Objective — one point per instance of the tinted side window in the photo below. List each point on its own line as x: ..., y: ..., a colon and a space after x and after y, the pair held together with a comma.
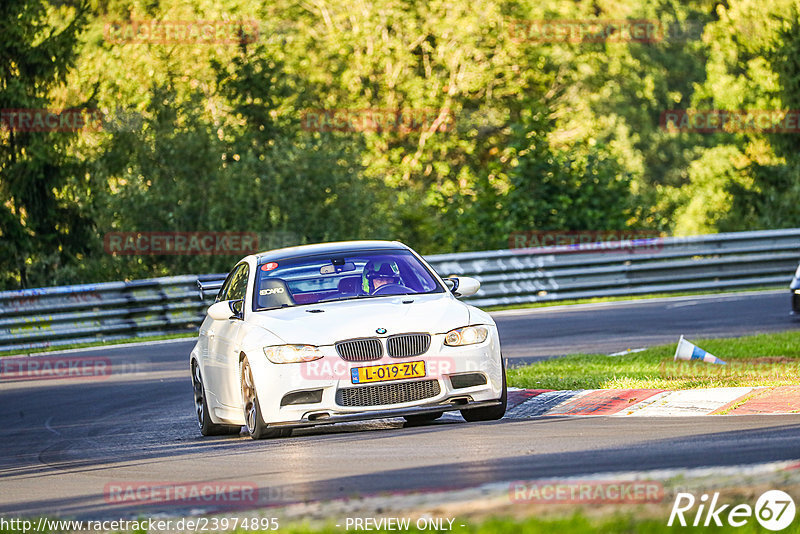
x: 226, y: 286
x: 236, y: 284
x: 239, y: 283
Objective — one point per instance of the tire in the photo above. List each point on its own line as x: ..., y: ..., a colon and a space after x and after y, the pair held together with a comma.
x: 254, y: 423
x: 207, y: 427
x: 492, y: 413
x: 422, y: 418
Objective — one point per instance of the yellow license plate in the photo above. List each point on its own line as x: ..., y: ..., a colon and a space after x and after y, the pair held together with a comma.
x: 382, y: 373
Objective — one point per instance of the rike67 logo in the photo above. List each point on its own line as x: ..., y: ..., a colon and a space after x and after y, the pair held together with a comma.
x: 774, y: 510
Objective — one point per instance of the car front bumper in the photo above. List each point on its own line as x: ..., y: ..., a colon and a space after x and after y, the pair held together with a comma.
x: 332, y: 374
x: 312, y: 420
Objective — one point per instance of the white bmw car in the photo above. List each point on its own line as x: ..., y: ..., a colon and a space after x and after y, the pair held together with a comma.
x: 335, y: 332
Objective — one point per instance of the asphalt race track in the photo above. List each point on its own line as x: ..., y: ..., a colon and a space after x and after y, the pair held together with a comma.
x: 65, y: 441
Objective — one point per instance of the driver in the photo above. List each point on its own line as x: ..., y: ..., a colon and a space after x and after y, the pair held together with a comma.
x: 378, y: 274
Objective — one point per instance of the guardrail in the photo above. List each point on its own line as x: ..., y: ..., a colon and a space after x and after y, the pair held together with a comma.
x: 53, y: 316
x: 37, y: 318
x: 661, y: 265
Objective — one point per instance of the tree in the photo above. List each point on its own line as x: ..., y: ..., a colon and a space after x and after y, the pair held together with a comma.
x: 750, y: 176
x: 43, y: 223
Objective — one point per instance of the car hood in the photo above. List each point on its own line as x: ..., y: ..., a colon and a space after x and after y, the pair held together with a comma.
x: 361, y: 318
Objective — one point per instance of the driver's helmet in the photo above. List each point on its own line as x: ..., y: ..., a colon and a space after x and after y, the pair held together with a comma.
x: 379, y: 269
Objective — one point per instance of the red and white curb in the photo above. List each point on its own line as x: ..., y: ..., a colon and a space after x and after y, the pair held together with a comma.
x: 654, y: 402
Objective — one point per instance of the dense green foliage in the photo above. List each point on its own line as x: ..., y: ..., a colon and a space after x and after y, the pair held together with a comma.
x: 41, y: 221
x: 513, y: 133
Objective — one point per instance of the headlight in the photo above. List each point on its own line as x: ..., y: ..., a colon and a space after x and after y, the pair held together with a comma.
x: 292, y: 353
x: 469, y: 335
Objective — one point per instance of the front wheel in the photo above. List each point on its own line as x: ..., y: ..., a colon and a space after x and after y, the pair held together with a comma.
x: 492, y: 413
x: 255, y: 424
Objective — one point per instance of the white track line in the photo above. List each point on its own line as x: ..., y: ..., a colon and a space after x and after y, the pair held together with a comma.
x: 50, y: 428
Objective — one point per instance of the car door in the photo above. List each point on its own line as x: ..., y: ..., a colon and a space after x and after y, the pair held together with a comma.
x: 206, y: 333
x: 223, y: 361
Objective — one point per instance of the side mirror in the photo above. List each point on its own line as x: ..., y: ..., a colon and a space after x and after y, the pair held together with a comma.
x: 226, y: 309
x: 463, y: 286
x: 451, y: 283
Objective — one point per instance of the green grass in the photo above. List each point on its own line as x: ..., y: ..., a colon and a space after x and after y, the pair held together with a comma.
x: 545, y: 304
x: 99, y: 343
x: 759, y: 360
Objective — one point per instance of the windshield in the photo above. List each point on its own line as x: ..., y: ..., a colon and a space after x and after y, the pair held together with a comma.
x: 364, y: 274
